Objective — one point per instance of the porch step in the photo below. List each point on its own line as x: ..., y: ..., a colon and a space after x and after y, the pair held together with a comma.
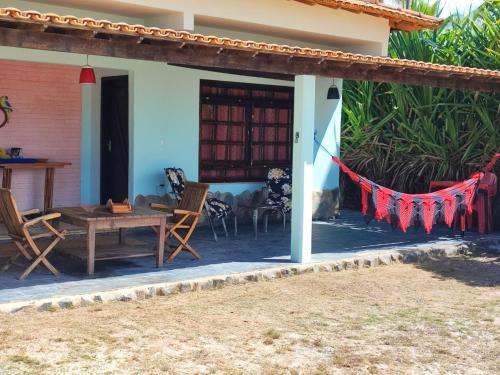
x: 374, y: 259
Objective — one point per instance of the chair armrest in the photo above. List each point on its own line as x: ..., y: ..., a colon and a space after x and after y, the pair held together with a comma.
x: 30, y: 212
x: 159, y: 206
x: 185, y: 212
x: 48, y: 217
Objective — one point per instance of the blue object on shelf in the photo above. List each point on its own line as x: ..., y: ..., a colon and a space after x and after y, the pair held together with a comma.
x: 18, y: 161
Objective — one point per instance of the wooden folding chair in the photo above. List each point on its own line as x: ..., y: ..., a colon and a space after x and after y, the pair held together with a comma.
x: 182, y: 222
x: 18, y: 228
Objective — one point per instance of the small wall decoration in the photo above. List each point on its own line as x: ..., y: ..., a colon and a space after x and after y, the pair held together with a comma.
x: 5, y: 110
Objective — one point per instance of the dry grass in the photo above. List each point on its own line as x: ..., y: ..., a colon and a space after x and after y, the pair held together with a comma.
x: 438, y: 317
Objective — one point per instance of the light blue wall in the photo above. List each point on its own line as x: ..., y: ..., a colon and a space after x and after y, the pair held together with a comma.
x: 166, y: 124
x: 328, y: 126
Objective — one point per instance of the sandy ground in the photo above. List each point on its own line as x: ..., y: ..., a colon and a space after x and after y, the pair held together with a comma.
x: 435, y: 318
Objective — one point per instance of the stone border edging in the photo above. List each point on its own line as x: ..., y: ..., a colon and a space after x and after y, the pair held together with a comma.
x: 215, y: 282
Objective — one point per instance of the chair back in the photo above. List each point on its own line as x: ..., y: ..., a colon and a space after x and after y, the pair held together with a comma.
x: 279, y: 183
x: 177, y: 180
x: 10, y: 214
x: 490, y: 180
x: 193, y: 199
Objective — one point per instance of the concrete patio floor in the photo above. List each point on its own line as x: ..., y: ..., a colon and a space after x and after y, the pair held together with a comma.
x: 340, y: 239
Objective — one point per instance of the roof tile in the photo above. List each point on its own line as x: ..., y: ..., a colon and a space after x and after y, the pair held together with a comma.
x: 49, y: 19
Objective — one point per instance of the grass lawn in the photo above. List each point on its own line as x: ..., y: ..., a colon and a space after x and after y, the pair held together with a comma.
x: 433, y: 318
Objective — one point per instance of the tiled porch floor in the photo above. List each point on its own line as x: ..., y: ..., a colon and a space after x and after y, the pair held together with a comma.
x: 343, y: 238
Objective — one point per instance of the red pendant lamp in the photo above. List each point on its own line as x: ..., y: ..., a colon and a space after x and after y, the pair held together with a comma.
x: 87, y: 74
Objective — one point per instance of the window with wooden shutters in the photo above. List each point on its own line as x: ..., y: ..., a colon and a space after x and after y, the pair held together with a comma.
x: 244, y: 130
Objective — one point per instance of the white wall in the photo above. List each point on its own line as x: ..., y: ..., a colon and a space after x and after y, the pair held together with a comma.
x: 289, y: 22
x: 46, y: 7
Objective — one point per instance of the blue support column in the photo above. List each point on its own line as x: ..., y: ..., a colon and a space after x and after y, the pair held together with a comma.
x: 303, y: 160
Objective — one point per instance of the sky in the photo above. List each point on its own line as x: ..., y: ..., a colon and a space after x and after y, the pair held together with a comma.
x: 450, y: 6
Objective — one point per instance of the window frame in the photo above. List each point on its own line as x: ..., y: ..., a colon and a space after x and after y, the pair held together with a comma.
x: 249, y: 165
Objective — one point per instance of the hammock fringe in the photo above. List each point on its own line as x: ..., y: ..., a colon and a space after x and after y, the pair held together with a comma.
x: 414, y: 209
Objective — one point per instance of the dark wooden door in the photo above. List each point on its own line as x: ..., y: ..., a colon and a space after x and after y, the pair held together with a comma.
x: 114, y: 138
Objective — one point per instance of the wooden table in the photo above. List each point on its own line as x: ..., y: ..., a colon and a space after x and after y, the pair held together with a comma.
x: 49, y: 167
x: 100, y: 218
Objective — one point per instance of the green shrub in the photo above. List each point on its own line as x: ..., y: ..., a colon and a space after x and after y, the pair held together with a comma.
x: 405, y: 136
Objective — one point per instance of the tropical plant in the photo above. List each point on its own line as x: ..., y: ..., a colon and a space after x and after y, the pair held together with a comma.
x: 405, y: 136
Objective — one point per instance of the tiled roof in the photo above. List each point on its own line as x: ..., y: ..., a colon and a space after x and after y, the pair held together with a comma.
x: 256, y: 47
x: 387, y: 69
x: 399, y: 19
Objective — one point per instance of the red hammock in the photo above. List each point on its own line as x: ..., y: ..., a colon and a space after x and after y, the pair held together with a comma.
x: 427, y: 209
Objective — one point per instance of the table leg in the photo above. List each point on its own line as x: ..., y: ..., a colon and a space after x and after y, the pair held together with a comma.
x: 121, y: 234
x: 161, y: 243
x: 91, y: 249
x: 255, y: 221
x: 7, y: 178
x: 49, y: 189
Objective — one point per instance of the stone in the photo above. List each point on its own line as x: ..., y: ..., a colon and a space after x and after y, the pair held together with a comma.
x: 236, y: 279
x: 86, y: 300
x: 365, y: 263
x: 250, y: 278
x: 325, y: 204
x: 325, y: 268
x: 150, y: 292
x: 384, y: 260
x: 285, y: 272
x: 397, y: 257
x: 308, y: 269
x: 268, y: 275
x: 375, y: 261
x: 218, y: 283
x: 348, y: 265
x: 452, y: 251
x: 168, y: 289
x: 66, y: 304
x: 259, y: 276
x: 45, y: 306
x: 410, y: 257
x: 206, y: 284
x: 140, y: 294
x: 125, y: 297
x: 185, y: 287
x: 337, y: 267
x: 277, y: 274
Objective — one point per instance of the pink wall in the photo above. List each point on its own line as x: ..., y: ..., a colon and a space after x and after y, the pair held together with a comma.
x: 46, y: 123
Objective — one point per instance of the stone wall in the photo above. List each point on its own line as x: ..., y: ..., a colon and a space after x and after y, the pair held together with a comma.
x: 325, y: 203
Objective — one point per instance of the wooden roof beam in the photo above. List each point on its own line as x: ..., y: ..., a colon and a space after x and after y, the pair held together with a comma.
x: 203, y: 55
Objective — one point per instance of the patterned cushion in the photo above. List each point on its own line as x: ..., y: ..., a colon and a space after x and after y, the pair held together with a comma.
x: 217, y: 208
x: 279, y: 188
x: 177, y: 180
x: 176, y: 177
